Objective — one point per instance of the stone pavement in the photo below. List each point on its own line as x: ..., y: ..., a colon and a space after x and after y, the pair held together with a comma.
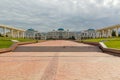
x: 86, y: 62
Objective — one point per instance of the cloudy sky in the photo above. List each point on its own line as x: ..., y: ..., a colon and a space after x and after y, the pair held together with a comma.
x: 45, y: 15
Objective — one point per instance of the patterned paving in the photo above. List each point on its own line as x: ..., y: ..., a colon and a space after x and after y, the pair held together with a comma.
x: 85, y: 63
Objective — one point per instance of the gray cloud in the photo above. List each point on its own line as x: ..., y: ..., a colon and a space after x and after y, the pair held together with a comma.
x: 45, y: 15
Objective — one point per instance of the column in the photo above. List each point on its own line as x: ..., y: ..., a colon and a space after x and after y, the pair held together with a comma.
x: 117, y: 34
x: 110, y: 32
x: 11, y: 31
x: 54, y: 34
x: 14, y: 32
x: 102, y: 33
x: 96, y: 35
x: 68, y: 33
x: 105, y: 33
x: 84, y: 35
x: 33, y: 36
x: 93, y: 35
x: 18, y: 34
x: 23, y: 34
x: 4, y: 31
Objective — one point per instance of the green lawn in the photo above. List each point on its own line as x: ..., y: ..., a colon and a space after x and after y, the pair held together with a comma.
x: 110, y: 42
x: 24, y: 40
x: 102, y: 39
x: 6, y: 42
x: 113, y: 44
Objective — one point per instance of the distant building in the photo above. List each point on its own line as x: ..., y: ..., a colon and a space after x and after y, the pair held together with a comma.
x: 30, y: 33
x: 90, y: 33
x: 33, y: 34
x: 60, y: 34
x: 43, y: 36
x: 40, y: 36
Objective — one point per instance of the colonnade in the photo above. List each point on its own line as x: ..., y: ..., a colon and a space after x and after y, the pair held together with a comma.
x: 107, y: 32
x: 12, y: 32
x: 101, y: 33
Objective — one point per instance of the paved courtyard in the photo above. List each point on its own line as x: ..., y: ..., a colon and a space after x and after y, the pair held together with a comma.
x: 59, y: 60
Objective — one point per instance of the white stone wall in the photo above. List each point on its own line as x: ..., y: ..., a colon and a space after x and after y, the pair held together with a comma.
x: 57, y: 34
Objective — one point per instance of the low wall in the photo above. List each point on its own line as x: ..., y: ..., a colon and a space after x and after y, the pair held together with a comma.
x: 91, y: 43
x: 14, y: 46
x: 111, y: 50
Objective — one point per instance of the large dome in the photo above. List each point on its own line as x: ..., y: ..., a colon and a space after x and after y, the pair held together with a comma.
x: 60, y: 29
x: 91, y: 30
x: 31, y: 29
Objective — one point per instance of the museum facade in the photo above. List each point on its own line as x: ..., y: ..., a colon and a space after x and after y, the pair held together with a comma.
x: 60, y: 34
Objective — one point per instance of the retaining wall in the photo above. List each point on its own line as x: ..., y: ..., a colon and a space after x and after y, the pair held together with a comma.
x: 14, y: 46
x: 112, y: 50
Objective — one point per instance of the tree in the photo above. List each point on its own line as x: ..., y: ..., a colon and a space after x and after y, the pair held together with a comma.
x: 72, y: 38
x: 0, y: 35
x: 119, y: 34
x: 6, y: 35
x: 113, y: 33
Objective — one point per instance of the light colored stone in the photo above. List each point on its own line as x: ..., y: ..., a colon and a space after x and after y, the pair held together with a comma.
x: 15, y: 41
x: 89, y: 64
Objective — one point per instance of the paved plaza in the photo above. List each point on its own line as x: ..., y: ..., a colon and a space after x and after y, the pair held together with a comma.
x: 59, y: 60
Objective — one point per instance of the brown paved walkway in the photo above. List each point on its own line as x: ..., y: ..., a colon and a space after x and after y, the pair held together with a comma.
x: 87, y: 64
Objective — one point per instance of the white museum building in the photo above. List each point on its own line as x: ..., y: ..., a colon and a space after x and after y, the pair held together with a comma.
x: 60, y: 34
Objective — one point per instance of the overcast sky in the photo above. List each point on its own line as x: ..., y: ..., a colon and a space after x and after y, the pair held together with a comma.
x: 46, y: 15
